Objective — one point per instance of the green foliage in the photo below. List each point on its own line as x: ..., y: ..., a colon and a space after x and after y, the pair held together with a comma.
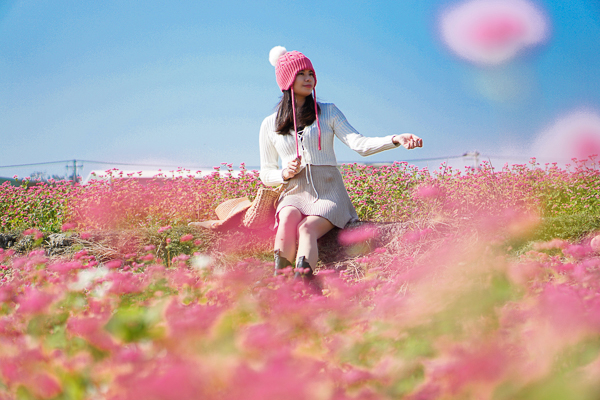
x: 133, y: 324
x: 569, y: 226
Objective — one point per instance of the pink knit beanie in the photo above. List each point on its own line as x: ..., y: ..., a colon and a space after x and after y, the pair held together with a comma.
x: 287, y: 65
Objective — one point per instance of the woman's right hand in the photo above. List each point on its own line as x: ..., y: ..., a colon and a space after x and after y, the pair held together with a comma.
x: 292, y: 168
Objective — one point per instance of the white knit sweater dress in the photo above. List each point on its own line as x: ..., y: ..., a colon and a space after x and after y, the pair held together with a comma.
x: 318, y: 189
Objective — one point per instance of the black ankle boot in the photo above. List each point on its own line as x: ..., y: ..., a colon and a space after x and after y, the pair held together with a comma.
x: 305, y: 272
x: 280, y: 262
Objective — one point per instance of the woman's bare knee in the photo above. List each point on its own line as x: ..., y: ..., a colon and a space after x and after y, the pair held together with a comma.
x: 313, y: 226
x: 289, y: 214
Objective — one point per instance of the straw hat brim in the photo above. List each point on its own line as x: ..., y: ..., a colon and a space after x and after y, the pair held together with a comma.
x: 231, y: 220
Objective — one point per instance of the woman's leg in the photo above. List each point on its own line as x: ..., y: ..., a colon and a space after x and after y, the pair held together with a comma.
x: 310, y: 229
x: 285, y: 238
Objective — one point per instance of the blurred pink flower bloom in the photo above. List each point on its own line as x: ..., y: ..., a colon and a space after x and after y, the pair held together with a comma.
x: 125, y: 282
x: 563, y: 307
x: 193, y: 319
x: 416, y: 235
x: 552, y: 244
x: 114, y: 264
x: 33, y: 301
x: 164, y: 228
x: 290, y: 383
x: 575, y: 135
x: 357, y: 235
x: 578, y: 251
x: 64, y: 267
x: 425, y: 192
x: 35, y: 232
x: 173, y: 381
x: 68, y: 227
x: 80, y: 254
x: 91, y: 329
x: 493, y: 31
x: 186, y: 238
x: 468, y: 365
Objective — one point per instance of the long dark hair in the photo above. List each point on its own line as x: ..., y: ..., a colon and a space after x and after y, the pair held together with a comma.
x: 285, y: 117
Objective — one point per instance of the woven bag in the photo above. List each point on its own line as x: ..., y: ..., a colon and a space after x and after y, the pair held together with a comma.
x: 261, y: 213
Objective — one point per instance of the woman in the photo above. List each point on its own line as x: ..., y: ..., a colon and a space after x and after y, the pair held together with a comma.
x: 301, y: 133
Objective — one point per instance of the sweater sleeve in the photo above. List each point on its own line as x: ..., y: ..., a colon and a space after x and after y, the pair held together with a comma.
x: 270, y: 173
x: 365, y: 146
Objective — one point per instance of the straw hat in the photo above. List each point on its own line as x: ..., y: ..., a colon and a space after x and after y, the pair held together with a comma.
x: 229, y: 212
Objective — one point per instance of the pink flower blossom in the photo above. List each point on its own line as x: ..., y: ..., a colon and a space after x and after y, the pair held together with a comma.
x: 148, y: 257
x: 34, y: 301
x: 68, y: 227
x: 112, y: 264
x: 574, y: 135
x: 125, y: 282
x: 186, y: 238
x: 171, y: 380
x: 425, y: 192
x: 164, y: 228
x: 357, y: 235
x: 493, y: 31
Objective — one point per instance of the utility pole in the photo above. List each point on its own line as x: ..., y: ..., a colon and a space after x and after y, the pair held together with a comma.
x: 75, y: 166
x: 475, y: 155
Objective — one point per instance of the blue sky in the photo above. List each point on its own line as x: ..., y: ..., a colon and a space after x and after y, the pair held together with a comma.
x: 188, y: 82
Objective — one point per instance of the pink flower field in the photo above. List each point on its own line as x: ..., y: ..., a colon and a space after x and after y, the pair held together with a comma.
x: 472, y: 284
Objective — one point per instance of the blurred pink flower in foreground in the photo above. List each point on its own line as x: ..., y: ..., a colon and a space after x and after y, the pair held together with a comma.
x: 492, y: 31
x: 357, y: 235
x: 186, y: 238
x: 67, y: 227
x: 34, y: 301
x: 164, y: 228
x: 427, y: 191
x: 576, y: 135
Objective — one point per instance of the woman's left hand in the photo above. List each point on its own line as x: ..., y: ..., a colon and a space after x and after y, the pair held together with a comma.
x: 408, y: 140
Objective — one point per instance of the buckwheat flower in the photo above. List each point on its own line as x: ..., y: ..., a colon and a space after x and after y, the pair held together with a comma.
x: 186, y: 238
x: 425, y: 192
x: 91, y: 329
x: 357, y: 235
x: 80, y: 254
x: 67, y: 227
x: 33, y: 301
x: 148, y: 257
x: 164, y: 228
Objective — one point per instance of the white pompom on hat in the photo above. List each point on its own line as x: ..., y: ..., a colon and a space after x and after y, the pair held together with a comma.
x: 275, y: 53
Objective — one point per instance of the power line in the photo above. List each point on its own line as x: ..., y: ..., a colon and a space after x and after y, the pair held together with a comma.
x: 140, y: 165
x: 467, y: 154
x: 414, y: 160
x: 33, y: 164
